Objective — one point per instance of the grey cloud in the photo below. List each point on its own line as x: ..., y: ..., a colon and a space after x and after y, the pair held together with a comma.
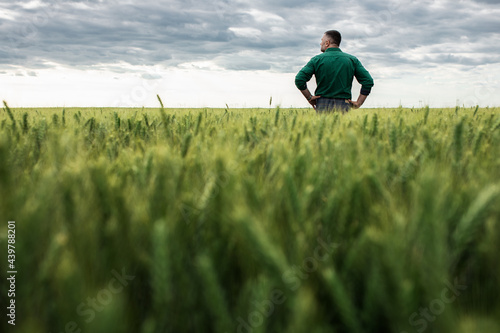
x: 240, y: 35
x: 415, y: 27
x: 495, y: 2
x: 149, y: 76
x: 462, y: 60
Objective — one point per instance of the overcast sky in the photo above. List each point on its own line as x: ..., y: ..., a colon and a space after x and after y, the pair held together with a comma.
x: 198, y: 53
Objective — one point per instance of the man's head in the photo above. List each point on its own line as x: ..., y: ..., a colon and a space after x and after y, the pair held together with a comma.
x: 331, y: 38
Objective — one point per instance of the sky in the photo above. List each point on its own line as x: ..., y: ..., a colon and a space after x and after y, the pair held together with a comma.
x: 198, y: 53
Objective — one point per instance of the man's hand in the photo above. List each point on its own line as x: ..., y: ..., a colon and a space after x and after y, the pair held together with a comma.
x: 357, y: 104
x: 310, y: 98
x: 354, y: 105
x: 312, y: 101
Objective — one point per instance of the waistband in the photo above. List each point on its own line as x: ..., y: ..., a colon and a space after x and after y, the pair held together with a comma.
x: 335, y: 99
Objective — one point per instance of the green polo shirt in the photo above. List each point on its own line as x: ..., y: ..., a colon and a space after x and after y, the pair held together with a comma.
x: 334, y: 71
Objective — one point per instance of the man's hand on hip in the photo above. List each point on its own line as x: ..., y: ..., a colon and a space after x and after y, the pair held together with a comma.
x: 310, y: 98
x: 357, y: 104
x: 312, y: 101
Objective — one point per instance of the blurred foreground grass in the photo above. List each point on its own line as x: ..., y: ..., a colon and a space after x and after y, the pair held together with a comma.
x: 263, y: 220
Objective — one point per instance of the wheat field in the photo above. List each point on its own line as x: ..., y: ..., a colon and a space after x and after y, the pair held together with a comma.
x: 252, y: 220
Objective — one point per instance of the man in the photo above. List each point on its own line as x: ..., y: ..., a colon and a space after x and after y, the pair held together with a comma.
x: 334, y: 71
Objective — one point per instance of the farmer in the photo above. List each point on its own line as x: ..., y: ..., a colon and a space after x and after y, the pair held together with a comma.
x: 334, y: 71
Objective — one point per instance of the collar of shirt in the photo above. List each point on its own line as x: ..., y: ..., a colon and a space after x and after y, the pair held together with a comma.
x: 333, y: 49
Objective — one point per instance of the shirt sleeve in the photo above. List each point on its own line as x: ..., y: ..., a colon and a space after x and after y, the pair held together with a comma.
x: 364, y: 78
x: 304, y: 75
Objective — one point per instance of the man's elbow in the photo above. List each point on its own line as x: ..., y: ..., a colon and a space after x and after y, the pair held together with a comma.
x: 370, y: 83
x: 300, y: 84
x: 366, y: 87
x: 365, y: 91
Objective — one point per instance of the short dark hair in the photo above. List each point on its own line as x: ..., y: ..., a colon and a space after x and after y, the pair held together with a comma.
x: 334, y: 36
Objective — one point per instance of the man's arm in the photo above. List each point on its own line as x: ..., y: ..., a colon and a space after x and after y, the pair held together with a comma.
x: 365, y: 79
x: 301, y: 79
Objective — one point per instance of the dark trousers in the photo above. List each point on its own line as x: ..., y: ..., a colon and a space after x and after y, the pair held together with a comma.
x: 326, y: 105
